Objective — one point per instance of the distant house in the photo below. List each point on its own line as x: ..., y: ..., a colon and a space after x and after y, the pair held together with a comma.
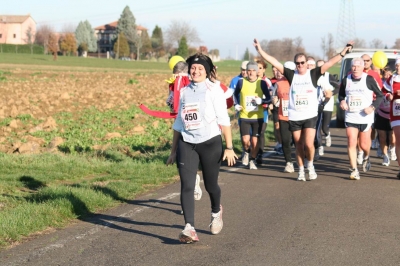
x: 106, y: 33
x: 13, y: 29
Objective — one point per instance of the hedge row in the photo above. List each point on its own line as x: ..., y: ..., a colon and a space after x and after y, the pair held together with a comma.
x: 21, y: 48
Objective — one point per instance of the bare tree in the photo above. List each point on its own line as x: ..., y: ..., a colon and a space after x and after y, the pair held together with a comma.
x: 68, y: 28
x: 43, y: 34
x: 396, y: 44
x: 52, y: 45
x: 377, y: 44
x: 359, y: 43
x: 179, y: 28
x: 298, y: 43
x: 30, y: 37
x: 327, y: 45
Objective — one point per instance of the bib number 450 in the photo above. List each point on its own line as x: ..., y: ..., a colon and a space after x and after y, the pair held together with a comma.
x: 191, y: 117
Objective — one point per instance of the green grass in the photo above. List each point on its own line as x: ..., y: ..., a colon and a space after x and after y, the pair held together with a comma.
x: 72, y: 61
x: 48, y: 190
x: 80, y: 181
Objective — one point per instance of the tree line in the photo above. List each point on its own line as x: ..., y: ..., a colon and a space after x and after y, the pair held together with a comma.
x: 180, y: 38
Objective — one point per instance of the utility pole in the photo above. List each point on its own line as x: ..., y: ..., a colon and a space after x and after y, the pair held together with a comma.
x: 346, y: 29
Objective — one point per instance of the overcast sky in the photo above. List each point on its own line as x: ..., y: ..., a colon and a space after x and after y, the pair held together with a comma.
x: 227, y: 25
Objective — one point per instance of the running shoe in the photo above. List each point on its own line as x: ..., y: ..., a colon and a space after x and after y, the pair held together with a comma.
x: 374, y: 144
x: 386, y: 160
x: 277, y: 145
x: 197, y: 189
x: 259, y: 159
x: 392, y: 154
x: 252, y: 165
x: 360, y: 157
x: 289, y: 168
x: 245, y: 159
x: 398, y: 175
x: 379, y: 152
x: 188, y: 235
x: 316, y: 155
x: 312, y: 175
x: 216, y: 222
x: 301, y: 176
x: 279, y: 151
x: 366, y: 164
x: 321, y: 150
x: 328, y: 140
x: 354, y: 175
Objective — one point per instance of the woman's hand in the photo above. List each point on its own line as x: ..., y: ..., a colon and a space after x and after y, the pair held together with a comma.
x: 171, y: 159
x: 389, y: 96
x: 230, y: 157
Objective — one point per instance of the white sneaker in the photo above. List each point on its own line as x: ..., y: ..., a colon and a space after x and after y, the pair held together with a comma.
x: 197, y: 189
x: 392, y: 154
x: 252, y: 165
x: 312, y: 175
x: 328, y: 140
x: 321, y: 150
x: 301, y: 176
x: 289, y: 168
x: 354, y: 175
x: 379, y: 152
x: 386, y: 160
x: 216, y: 222
x: 245, y: 159
x: 360, y: 157
x: 366, y: 164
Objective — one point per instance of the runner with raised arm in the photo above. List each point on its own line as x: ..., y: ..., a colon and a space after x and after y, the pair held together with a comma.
x: 303, y: 103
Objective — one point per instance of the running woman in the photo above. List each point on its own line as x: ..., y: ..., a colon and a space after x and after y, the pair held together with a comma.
x: 202, y: 118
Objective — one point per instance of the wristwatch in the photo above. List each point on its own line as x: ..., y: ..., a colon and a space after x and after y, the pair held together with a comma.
x: 229, y: 148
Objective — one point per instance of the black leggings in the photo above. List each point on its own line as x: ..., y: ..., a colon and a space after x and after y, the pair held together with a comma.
x: 326, y: 120
x: 262, y: 138
x: 209, y: 154
x: 286, y: 136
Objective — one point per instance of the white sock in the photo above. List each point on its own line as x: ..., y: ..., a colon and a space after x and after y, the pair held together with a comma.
x: 301, y: 168
x: 310, y: 164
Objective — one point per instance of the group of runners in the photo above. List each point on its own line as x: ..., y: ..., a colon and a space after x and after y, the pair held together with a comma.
x: 300, y: 99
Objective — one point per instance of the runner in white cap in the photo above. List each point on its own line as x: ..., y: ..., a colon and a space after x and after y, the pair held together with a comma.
x: 356, y: 97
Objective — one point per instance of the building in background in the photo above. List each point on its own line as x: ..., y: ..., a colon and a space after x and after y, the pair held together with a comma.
x: 14, y: 28
x: 106, y: 33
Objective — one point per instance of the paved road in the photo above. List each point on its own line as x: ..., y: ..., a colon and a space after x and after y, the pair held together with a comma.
x: 269, y: 219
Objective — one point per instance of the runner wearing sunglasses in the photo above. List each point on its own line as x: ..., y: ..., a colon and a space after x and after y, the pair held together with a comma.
x: 303, y: 103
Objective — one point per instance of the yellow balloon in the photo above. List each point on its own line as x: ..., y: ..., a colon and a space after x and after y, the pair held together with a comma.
x: 379, y: 59
x: 175, y: 59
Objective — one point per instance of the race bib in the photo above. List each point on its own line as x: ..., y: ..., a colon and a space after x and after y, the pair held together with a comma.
x: 285, y: 106
x: 396, y: 107
x: 251, y: 106
x: 355, y: 103
x: 301, y: 102
x: 191, y: 116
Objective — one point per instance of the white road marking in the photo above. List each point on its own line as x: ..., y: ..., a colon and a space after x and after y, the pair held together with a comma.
x: 61, y: 243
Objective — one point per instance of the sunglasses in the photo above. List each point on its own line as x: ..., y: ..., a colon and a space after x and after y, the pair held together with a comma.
x: 367, y: 60
x: 300, y: 63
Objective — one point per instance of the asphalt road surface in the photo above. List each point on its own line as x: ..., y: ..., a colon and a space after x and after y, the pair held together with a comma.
x: 269, y: 219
